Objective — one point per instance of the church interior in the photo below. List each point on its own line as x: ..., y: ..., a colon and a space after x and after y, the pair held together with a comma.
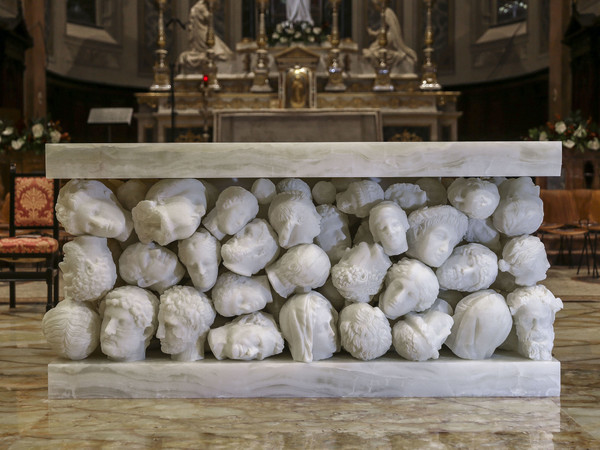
x: 335, y: 71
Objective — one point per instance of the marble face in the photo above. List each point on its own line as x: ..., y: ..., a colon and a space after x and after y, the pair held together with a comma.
x: 129, y: 320
x: 171, y: 211
x: 388, y: 224
x: 150, y: 266
x: 334, y: 237
x: 482, y: 321
x: 407, y: 195
x: 201, y: 255
x: 419, y: 337
x: 89, y: 271
x: 324, y: 192
x: 132, y: 192
x: 475, y: 197
x: 359, y: 198
x: 521, y: 210
x: 72, y: 329
x: 301, y: 269
x: 533, y: 309
x: 235, y: 207
x: 251, y: 249
x: 365, y: 332
x: 469, y: 268
x: 247, y: 337
x: 410, y: 286
x: 360, y: 273
x: 184, y: 318
x: 89, y: 207
x: 309, y: 325
x: 234, y: 294
x: 434, y: 232
x: 525, y: 258
x: 294, y: 218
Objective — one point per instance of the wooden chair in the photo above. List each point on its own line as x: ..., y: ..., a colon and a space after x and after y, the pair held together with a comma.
x: 32, y: 200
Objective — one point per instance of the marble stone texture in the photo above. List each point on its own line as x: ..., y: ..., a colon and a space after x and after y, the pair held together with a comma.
x: 503, y: 375
x: 325, y: 159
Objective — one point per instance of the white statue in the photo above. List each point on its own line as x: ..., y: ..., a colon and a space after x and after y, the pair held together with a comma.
x: 518, y: 187
x: 235, y: 207
x: 128, y: 324
x: 419, y: 337
x: 150, y: 266
x: 521, y: 210
x: 298, y: 11
x: 309, y: 325
x: 89, y: 271
x: 251, y: 249
x: 211, y: 223
x: 407, y: 195
x: 475, y: 197
x: 324, y: 192
x: 234, y: 294
x: 410, y: 286
x: 301, y: 269
x: 435, y: 190
x: 525, y: 258
x: 89, y: 207
x: 171, y: 211
x: 533, y: 309
x: 294, y: 184
x: 388, y: 224
x: 334, y: 237
x: 360, y: 273
x: 482, y: 321
x: 72, y: 329
x: 184, y: 318
x: 132, y: 192
x: 434, y: 232
x: 359, y: 198
x: 482, y: 231
x: 365, y: 332
x: 469, y: 268
x: 264, y: 190
x: 247, y: 337
x: 201, y: 255
x: 294, y: 218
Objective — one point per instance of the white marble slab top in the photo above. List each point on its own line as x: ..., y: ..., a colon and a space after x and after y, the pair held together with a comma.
x: 315, y: 159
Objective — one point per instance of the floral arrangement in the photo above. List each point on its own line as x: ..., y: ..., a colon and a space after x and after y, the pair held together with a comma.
x: 30, y: 136
x: 286, y: 33
x: 573, y: 131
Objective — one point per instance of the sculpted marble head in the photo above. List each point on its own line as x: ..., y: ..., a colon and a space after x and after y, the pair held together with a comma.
x: 533, y: 309
x: 251, y: 249
x: 300, y: 269
x: 247, y: 337
x: 309, y: 325
x: 334, y: 237
x: 469, y: 268
x: 72, y: 329
x: 359, y: 198
x: 171, y: 211
x: 434, y: 232
x: 294, y: 184
x: 294, y: 218
x: 388, y: 224
x: 234, y: 294
x: 525, y: 258
x: 518, y: 215
x: 365, y: 332
x: 201, y: 255
x: 419, y: 336
x: 132, y: 192
x: 150, y: 266
x: 89, y: 271
x: 89, y: 207
x: 518, y: 187
x: 235, y: 207
x: 475, y: 197
x: 324, y: 192
x: 410, y: 286
x: 482, y: 321
x: 128, y: 324
x: 264, y: 190
x: 360, y: 273
x: 407, y: 195
x: 184, y: 318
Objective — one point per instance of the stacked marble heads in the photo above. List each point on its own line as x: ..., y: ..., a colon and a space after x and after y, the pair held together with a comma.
x: 246, y: 269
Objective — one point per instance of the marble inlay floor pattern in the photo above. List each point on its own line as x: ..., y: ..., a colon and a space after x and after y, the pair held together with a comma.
x: 29, y: 420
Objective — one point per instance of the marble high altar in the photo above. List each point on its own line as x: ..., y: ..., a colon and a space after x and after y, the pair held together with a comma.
x: 297, y: 68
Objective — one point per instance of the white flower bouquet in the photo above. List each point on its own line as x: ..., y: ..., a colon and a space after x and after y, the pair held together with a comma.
x: 30, y: 136
x: 573, y: 131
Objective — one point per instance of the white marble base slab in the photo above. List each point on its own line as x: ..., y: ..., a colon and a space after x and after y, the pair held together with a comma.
x: 504, y: 375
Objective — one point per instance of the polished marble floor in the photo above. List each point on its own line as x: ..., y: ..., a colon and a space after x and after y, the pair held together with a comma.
x: 29, y: 420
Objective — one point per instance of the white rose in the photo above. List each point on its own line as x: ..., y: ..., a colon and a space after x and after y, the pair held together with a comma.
x: 17, y: 144
x: 55, y: 136
x: 311, y: 39
x: 569, y: 143
x: 297, y: 35
x: 580, y: 132
x: 37, y: 130
x: 543, y: 136
x: 317, y: 30
x: 594, y: 144
x: 8, y: 131
x: 560, y: 127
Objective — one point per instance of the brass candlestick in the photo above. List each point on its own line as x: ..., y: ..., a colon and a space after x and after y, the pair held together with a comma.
x: 383, y: 80
x: 160, y: 69
x: 261, y: 71
x: 211, y: 67
x: 335, y: 81
x: 429, y: 80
